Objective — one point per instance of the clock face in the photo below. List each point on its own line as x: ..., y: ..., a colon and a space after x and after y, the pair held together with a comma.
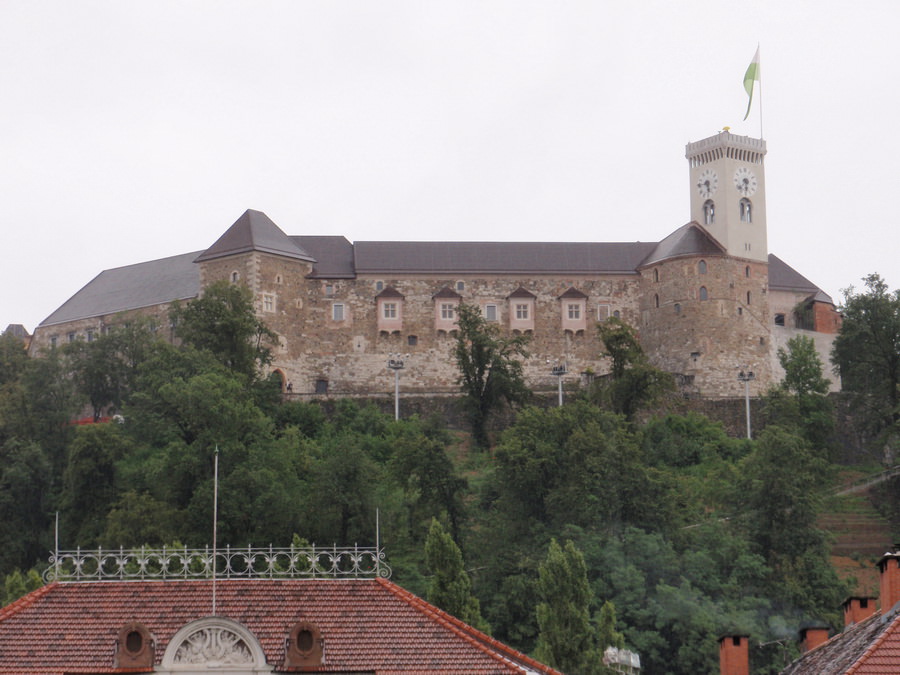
x: 707, y: 183
x: 745, y: 181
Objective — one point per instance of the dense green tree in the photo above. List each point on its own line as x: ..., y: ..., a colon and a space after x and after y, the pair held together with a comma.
x: 13, y: 358
x: 139, y: 519
x: 632, y: 383
x: 800, y: 401
x: 450, y: 587
x: 223, y: 322
x: 25, y: 480
x: 567, y: 639
x: 489, y: 367
x: 16, y: 584
x: 866, y: 354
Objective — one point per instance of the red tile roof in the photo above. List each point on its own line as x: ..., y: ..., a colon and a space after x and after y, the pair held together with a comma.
x: 369, y: 625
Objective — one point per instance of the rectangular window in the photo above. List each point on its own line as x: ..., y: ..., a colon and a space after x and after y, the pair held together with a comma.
x: 448, y: 311
x: 575, y: 312
x: 337, y: 311
x: 71, y: 337
x: 329, y: 290
x: 490, y: 312
x: 53, y: 341
x: 390, y: 310
x: 268, y: 302
x: 90, y: 335
x: 602, y: 312
x: 522, y: 312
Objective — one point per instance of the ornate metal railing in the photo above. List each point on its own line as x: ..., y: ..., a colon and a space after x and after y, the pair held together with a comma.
x: 230, y: 563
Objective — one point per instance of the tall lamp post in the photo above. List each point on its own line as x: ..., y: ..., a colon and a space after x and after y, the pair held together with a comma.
x: 558, y: 371
x: 395, y: 363
x: 746, y: 377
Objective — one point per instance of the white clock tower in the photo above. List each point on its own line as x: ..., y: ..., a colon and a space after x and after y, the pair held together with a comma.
x: 728, y: 192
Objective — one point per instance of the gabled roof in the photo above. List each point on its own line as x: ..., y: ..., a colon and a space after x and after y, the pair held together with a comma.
x: 466, y: 257
x: 368, y: 625
x: 254, y: 231
x: 572, y: 292
x: 389, y: 292
x: 689, y: 239
x: 446, y: 292
x: 783, y: 277
x: 871, y: 647
x: 132, y: 287
x: 521, y: 292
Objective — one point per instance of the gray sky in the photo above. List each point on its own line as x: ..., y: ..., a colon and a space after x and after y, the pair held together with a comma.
x: 131, y: 131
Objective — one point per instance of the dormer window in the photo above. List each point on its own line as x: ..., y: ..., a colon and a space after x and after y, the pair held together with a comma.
x: 389, y: 305
x: 709, y: 212
x: 746, y: 211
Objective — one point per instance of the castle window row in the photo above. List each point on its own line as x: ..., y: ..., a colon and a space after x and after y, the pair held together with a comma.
x: 745, y: 211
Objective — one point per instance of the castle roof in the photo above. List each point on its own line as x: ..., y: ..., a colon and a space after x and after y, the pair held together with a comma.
x: 783, y: 277
x: 254, y: 231
x: 367, y: 625
x: 689, y: 239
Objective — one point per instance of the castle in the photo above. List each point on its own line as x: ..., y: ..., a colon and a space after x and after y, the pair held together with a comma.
x: 708, y: 301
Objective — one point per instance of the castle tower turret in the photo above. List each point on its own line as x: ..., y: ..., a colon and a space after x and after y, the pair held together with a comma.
x: 728, y: 192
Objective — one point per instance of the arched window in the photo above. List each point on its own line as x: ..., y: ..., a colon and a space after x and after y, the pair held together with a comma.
x: 656, y: 274
x: 235, y: 277
x: 748, y: 297
x: 709, y: 212
x: 656, y: 300
x: 704, y: 294
x: 460, y: 286
x: 678, y: 308
x: 747, y: 271
x: 701, y: 267
x: 746, y: 211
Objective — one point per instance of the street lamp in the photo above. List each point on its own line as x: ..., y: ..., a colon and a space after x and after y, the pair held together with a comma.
x: 746, y: 377
x: 558, y: 371
x: 395, y: 363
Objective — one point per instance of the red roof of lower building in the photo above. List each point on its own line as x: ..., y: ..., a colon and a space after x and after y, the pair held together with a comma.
x: 366, y: 625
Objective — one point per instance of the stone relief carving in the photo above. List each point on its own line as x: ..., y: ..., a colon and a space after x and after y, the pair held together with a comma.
x: 213, y: 645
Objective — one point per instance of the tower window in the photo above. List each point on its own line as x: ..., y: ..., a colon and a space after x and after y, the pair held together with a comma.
x: 656, y: 300
x: 677, y: 308
x: 656, y: 274
x: 747, y: 271
x: 704, y: 294
x: 746, y: 211
x: 701, y: 267
x: 748, y: 297
x: 709, y: 212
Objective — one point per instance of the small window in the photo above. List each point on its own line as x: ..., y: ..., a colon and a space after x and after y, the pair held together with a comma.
x: 522, y: 312
x: 602, y: 312
x: 337, y: 311
x: 701, y: 267
x: 490, y: 312
x: 677, y: 307
x: 448, y: 311
x: 779, y: 319
x: 709, y: 212
x: 268, y: 302
x: 740, y: 311
x: 574, y: 311
x: 704, y: 294
x: 278, y: 279
x: 412, y: 340
x: 748, y: 297
x: 617, y: 314
x: 656, y: 300
x: 53, y: 341
x: 71, y: 337
x: 329, y: 290
x: 460, y: 286
x: 747, y: 271
x: 321, y: 386
x: 656, y: 274
x: 235, y: 277
x: 379, y: 286
x: 90, y: 335
x: 389, y: 310
x: 746, y: 211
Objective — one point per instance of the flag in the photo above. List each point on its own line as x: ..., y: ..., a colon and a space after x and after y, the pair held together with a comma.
x: 751, y: 76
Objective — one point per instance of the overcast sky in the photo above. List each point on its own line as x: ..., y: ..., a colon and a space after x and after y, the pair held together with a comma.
x: 131, y: 131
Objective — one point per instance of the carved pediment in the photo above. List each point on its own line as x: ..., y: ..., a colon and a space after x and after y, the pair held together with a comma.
x: 213, y: 645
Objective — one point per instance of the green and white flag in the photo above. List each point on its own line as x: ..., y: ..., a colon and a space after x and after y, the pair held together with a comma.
x: 751, y: 76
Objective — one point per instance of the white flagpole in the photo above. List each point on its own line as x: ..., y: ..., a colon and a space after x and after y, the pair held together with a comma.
x: 215, y: 523
x: 759, y: 79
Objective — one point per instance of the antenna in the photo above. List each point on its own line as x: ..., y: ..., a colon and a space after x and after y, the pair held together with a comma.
x: 215, y: 523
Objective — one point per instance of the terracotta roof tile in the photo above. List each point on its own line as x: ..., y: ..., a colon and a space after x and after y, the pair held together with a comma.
x: 367, y: 625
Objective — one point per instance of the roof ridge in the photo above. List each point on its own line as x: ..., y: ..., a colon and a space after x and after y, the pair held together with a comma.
x: 876, y: 643
x: 26, y: 600
x: 469, y: 633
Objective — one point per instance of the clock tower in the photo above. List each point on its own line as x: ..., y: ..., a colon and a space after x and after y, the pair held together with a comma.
x: 728, y: 192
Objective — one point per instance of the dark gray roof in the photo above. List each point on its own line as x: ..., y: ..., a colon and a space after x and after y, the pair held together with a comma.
x: 572, y: 292
x: 254, y: 231
x: 132, y: 287
x: 844, y: 649
x: 690, y: 239
x: 783, y: 277
x: 333, y: 254
x: 418, y: 257
x: 390, y: 292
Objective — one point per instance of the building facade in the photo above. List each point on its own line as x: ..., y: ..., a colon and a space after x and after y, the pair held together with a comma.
x: 707, y: 301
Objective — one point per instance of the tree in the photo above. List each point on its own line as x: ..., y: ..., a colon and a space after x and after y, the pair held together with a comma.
x: 223, y: 322
x: 490, y: 372
x: 450, y: 587
x: 633, y: 383
x: 800, y: 401
x: 866, y: 354
x: 567, y: 640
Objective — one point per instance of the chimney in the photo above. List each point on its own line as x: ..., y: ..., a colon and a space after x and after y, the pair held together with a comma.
x: 813, y: 636
x: 890, y: 581
x: 734, y: 655
x: 858, y: 609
